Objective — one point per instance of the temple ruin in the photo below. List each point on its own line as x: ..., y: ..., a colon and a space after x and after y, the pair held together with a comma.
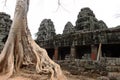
x: 79, y: 47
x: 88, y: 47
x: 83, y: 40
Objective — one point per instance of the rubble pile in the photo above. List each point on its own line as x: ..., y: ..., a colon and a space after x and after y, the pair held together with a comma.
x: 84, y: 67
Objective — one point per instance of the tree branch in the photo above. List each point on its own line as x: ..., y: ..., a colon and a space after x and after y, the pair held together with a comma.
x: 60, y: 5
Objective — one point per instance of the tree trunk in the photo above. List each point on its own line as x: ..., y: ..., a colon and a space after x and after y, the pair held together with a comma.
x: 21, y: 49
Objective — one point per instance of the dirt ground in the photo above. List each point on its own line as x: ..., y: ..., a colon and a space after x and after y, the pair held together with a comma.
x: 71, y: 77
x: 34, y: 76
x: 31, y: 75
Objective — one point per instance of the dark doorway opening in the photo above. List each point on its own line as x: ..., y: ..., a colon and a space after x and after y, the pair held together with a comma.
x: 111, y: 50
x: 83, y: 51
x: 63, y: 52
x: 50, y: 52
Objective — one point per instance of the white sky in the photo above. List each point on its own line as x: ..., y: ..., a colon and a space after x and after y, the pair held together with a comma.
x: 106, y: 10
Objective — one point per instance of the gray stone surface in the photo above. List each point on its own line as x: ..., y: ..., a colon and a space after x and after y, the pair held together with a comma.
x: 103, y: 78
x: 69, y: 28
x: 86, y: 20
x: 5, y: 23
x: 83, y: 67
x: 102, y: 25
x: 46, y: 30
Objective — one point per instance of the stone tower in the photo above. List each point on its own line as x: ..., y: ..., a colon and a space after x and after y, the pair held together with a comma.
x: 46, y: 30
x: 5, y: 23
x: 69, y: 28
x: 87, y: 21
x: 102, y: 25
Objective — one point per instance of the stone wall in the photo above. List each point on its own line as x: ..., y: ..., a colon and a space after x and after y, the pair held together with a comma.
x: 87, y: 67
x: 5, y: 23
x: 84, y: 67
x: 88, y: 30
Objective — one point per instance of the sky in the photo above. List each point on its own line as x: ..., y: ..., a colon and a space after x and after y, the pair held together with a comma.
x: 106, y: 10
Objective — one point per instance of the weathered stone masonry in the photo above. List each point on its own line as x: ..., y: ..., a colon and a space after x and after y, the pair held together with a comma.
x: 79, y: 41
x: 5, y: 23
x: 83, y: 39
x: 77, y: 48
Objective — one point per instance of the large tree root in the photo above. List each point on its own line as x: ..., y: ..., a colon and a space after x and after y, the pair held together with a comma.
x: 16, y: 55
x: 46, y: 65
x: 21, y: 49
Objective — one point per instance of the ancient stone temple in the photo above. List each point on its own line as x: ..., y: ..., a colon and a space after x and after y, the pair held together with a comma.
x: 69, y: 28
x: 86, y: 20
x: 46, y: 30
x: 5, y: 23
x: 89, y: 39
